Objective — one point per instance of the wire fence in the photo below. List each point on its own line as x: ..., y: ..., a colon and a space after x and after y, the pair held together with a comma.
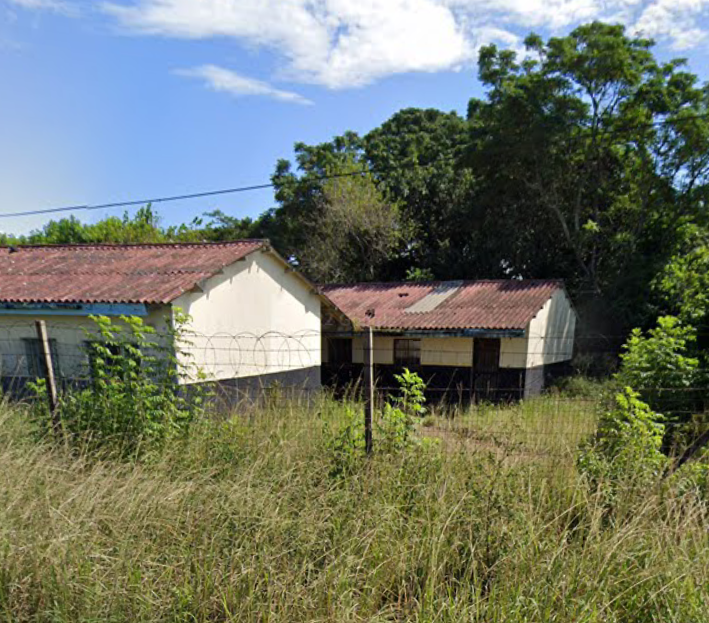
x: 524, y: 398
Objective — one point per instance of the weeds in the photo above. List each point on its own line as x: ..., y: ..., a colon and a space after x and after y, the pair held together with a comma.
x: 132, y: 401
x: 243, y: 521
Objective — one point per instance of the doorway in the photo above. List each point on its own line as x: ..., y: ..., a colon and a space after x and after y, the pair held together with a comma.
x: 486, y: 368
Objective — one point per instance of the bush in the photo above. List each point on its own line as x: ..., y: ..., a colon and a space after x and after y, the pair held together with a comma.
x: 660, y: 368
x: 586, y: 388
x: 626, y: 449
x: 134, y: 401
x: 395, y: 426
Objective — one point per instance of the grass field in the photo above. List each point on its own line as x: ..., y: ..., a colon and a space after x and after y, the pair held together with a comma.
x: 247, y: 521
x: 544, y: 427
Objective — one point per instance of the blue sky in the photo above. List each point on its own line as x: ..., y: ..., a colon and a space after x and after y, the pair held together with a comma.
x: 125, y: 99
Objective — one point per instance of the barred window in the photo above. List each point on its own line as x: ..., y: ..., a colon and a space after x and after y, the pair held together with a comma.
x: 407, y: 352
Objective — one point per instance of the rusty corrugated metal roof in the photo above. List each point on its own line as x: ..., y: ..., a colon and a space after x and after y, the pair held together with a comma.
x: 495, y: 304
x: 156, y: 273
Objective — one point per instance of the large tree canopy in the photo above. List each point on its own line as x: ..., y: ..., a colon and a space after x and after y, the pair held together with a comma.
x: 587, y: 159
x: 590, y: 152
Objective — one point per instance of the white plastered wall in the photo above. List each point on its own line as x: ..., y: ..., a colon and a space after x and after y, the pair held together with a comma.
x: 257, y: 317
x: 70, y: 334
x: 551, y: 332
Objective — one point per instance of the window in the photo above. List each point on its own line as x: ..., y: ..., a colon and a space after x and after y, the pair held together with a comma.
x: 35, y: 359
x: 407, y: 352
x: 340, y: 350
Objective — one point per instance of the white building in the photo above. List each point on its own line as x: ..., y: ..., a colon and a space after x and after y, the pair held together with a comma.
x: 487, y: 339
x: 253, y: 319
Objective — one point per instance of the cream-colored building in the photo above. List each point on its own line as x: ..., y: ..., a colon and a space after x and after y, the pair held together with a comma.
x: 488, y: 339
x: 253, y: 320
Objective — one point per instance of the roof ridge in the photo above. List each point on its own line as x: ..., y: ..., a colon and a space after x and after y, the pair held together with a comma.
x: 132, y: 245
x: 105, y: 271
x: 462, y: 282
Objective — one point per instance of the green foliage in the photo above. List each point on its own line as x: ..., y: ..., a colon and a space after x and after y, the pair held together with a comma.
x: 353, y: 232
x: 411, y: 398
x: 581, y: 183
x: 134, y: 402
x: 627, y: 448
x: 395, y: 426
x: 241, y: 522
x: 586, y: 388
x: 415, y: 155
x: 402, y: 413
x: 419, y: 274
x: 684, y: 282
x: 660, y: 366
x: 143, y: 228
x: 346, y: 444
x: 692, y: 479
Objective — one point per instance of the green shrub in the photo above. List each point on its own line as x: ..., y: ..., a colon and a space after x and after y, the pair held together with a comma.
x: 586, y: 388
x: 627, y: 447
x: 659, y: 366
x: 395, y: 425
x: 134, y: 401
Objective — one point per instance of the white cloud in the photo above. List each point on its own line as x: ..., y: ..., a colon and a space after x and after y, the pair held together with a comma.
x: 336, y: 43
x: 679, y: 21
x: 58, y: 6
x: 346, y: 43
x: 228, y: 81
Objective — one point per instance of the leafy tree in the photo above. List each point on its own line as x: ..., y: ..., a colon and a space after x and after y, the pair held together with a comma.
x: 415, y: 155
x: 413, y: 160
x: 587, y: 152
x: 684, y: 282
x: 219, y: 227
x: 143, y: 228
x: 354, y: 232
x: 300, y: 197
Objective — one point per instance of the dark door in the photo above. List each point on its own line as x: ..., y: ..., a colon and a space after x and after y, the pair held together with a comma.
x: 486, y: 368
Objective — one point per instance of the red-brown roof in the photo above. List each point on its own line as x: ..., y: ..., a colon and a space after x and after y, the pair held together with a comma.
x: 156, y: 273
x: 444, y: 305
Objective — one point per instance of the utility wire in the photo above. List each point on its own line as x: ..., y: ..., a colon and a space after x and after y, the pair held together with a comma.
x: 243, y: 189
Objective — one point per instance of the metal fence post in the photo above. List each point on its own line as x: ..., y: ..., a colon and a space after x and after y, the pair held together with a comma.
x: 368, y: 388
x: 49, y: 375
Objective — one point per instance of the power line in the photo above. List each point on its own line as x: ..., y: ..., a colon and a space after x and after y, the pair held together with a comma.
x: 243, y: 189
x: 198, y: 195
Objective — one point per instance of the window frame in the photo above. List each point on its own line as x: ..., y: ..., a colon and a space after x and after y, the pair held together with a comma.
x: 407, y: 356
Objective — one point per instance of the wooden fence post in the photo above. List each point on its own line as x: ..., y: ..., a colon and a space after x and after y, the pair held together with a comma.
x: 368, y: 388
x: 49, y: 375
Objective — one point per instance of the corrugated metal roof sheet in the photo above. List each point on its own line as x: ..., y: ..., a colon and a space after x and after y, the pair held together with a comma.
x: 501, y: 304
x: 435, y: 298
x: 148, y: 274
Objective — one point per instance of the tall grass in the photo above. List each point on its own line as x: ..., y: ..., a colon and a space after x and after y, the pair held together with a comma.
x: 244, y: 521
x: 550, y: 426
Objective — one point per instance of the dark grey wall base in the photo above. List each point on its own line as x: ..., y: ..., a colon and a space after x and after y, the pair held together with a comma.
x: 451, y: 384
x: 228, y: 392
x: 300, y: 383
